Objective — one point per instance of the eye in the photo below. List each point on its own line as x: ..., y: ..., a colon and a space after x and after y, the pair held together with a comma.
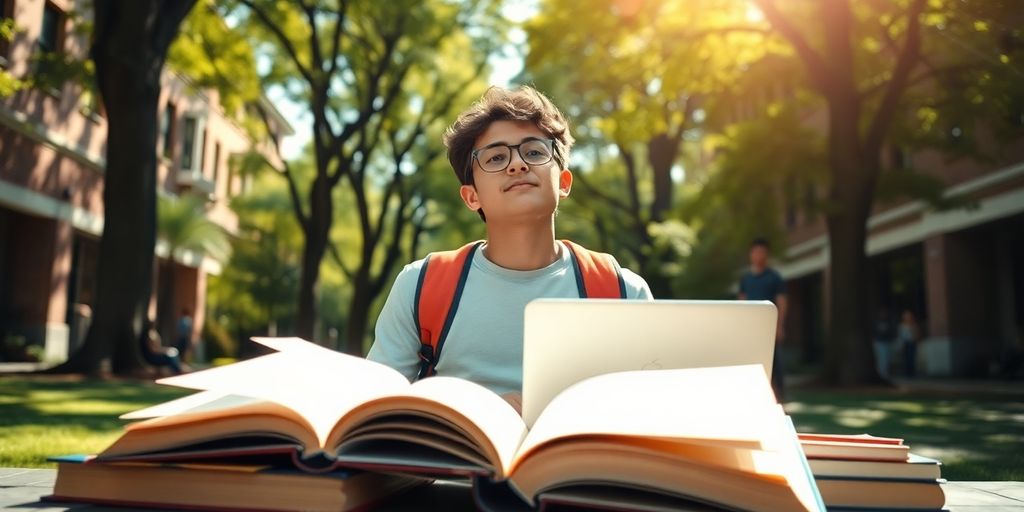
x: 496, y: 158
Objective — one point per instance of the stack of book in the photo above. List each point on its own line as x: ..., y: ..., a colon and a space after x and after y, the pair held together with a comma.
x: 219, y: 486
x: 306, y: 428
x: 868, y: 472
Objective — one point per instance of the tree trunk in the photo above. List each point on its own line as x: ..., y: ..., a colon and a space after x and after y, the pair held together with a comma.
x: 129, y: 47
x: 662, y: 151
x: 848, y: 356
x: 321, y: 214
x: 849, y: 359
x: 358, y: 314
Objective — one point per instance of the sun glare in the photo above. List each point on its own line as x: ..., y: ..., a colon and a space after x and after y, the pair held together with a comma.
x: 754, y: 14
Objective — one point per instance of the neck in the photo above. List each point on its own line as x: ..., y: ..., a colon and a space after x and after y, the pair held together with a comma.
x: 758, y: 268
x: 522, y: 246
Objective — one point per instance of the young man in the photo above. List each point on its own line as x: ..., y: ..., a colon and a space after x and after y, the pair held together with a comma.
x: 510, y: 151
x: 762, y: 282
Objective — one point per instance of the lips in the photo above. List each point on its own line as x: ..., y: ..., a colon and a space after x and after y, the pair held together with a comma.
x: 519, y: 184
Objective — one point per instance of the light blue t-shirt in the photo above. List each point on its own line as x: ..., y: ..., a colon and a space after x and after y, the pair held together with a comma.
x: 485, y: 342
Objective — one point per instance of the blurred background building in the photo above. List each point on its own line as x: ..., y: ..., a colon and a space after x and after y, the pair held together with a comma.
x: 52, y: 147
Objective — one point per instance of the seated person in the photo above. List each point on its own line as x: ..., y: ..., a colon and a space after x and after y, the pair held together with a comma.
x: 510, y: 152
x: 156, y: 354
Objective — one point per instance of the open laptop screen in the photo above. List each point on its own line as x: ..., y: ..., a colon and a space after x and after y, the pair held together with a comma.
x: 568, y: 340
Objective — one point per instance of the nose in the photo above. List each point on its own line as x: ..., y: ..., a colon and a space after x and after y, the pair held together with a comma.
x: 516, y: 164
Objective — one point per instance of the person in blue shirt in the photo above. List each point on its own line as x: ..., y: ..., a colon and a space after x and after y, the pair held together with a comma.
x: 761, y: 282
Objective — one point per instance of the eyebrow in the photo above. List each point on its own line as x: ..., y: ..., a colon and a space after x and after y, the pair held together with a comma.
x: 503, y: 143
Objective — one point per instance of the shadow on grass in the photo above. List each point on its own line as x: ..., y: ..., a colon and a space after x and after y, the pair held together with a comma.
x: 979, y: 437
x: 46, y: 416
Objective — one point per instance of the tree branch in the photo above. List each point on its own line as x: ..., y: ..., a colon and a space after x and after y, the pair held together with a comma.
x: 293, y: 190
x: 281, y: 37
x: 898, y: 83
x: 336, y: 37
x: 332, y: 248
x: 817, y: 69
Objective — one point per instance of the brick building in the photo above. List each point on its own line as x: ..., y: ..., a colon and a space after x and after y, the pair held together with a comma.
x: 52, y: 147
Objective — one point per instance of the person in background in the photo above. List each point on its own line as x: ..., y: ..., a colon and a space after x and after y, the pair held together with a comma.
x: 761, y: 282
x: 183, y: 333
x: 882, y: 334
x: 155, y: 353
x: 909, y: 333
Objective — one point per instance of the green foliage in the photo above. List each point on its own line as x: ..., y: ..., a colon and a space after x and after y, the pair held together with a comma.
x: 761, y: 167
x: 182, y: 224
x: 211, y: 54
x: 219, y: 342
x: 8, y: 83
x: 257, y: 287
x: 910, y: 183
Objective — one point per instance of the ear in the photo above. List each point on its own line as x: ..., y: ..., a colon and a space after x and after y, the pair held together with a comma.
x: 470, y: 197
x: 564, y: 183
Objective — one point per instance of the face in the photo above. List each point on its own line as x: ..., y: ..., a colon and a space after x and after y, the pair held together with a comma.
x: 758, y: 255
x: 521, y: 191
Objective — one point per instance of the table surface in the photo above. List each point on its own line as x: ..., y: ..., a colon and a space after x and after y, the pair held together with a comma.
x: 21, y: 489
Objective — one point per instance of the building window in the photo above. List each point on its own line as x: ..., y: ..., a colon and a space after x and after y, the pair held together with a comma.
x: 188, y: 143
x: 202, y: 153
x: 216, y: 163
x: 6, y: 29
x: 51, y: 36
x: 167, y: 129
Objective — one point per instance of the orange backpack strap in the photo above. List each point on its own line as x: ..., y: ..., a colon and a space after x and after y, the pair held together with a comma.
x: 438, y: 290
x: 598, y: 275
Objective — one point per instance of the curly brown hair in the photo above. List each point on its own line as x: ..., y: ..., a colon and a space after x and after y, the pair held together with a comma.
x: 498, y: 104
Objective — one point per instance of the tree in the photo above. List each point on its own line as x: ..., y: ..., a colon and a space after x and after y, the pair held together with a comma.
x: 626, y: 82
x: 182, y: 225
x: 352, y: 63
x: 129, y: 46
x: 865, y: 62
x: 908, y: 73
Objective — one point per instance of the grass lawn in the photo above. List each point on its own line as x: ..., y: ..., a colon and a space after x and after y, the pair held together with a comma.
x: 45, y: 416
x: 976, y: 437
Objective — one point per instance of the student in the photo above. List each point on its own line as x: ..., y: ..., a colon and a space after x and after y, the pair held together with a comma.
x: 510, y: 152
x: 762, y: 282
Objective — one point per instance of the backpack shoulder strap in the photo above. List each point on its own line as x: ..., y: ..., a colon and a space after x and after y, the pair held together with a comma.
x: 598, y: 275
x: 438, y: 291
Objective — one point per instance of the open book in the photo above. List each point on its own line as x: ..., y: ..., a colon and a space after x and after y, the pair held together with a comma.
x: 712, y: 435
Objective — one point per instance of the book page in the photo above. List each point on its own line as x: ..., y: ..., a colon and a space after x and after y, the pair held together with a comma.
x: 492, y: 414
x: 731, y: 404
x: 318, y: 383
x: 201, y: 401
x: 487, y: 418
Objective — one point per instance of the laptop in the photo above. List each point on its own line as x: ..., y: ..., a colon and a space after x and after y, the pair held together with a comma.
x: 568, y: 340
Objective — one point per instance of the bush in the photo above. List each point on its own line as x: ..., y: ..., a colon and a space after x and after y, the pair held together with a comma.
x: 219, y: 343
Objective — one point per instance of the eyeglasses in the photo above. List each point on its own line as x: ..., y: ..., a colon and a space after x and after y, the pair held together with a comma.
x: 495, y: 158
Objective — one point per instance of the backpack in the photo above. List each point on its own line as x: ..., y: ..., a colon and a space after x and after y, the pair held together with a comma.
x: 443, y: 277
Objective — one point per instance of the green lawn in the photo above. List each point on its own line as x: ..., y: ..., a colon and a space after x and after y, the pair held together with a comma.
x: 976, y: 437
x: 41, y: 417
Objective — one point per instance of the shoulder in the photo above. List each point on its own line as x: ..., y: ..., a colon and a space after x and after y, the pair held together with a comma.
x: 404, y: 287
x: 636, y: 286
